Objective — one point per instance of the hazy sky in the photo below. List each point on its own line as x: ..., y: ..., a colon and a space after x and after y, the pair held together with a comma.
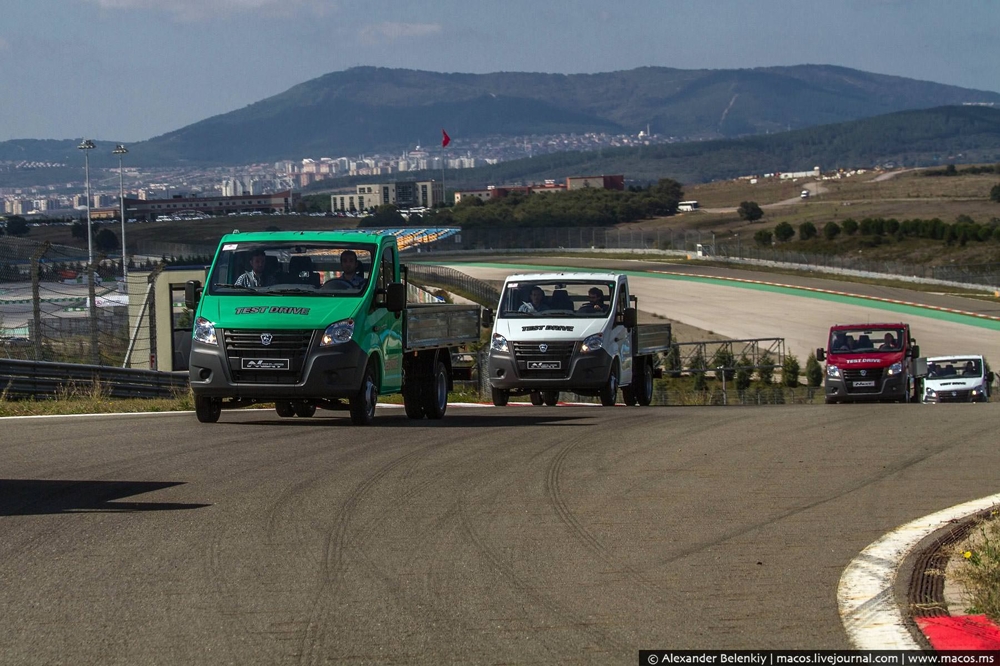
x: 129, y: 70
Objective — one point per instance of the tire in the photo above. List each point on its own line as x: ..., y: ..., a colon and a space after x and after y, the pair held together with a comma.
x: 413, y: 405
x: 642, y: 386
x: 500, y: 396
x: 832, y: 401
x: 363, y: 404
x: 284, y: 409
x: 304, y: 409
x: 628, y: 396
x: 609, y: 392
x: 536, y: 398
x: 550, y: 398
x: 436, y: 395
x: 207, y: 410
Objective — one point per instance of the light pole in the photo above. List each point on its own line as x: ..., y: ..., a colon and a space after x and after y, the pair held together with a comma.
x: 87, y: 145
x: 119, y: 151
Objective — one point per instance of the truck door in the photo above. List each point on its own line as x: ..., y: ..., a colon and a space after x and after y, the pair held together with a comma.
x: 386, y: 325
x: 622, y: 336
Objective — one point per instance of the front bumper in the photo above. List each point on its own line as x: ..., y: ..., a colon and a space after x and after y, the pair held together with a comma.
x: 887, y: 388
x: 317, y: 373
x: 586, y: 372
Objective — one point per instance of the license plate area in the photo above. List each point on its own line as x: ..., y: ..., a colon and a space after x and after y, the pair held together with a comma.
x: 544, y: 365
x: 869, y: 383
x: 265, y: 364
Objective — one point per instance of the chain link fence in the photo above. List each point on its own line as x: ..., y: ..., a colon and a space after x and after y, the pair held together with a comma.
x: 56, y: 307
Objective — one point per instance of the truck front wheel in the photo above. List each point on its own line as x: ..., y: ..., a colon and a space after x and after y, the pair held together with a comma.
x: 609, y: 392
x: 500, y: 396
x: 207, y: 410
x: 284, y: 409
x: 536, y: 398
x: 363, y: 404
x: 436, y: 396
x: 550, y: 398
x: 642, y: 385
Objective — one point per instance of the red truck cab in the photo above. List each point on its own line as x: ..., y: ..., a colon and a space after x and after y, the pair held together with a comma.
x: 869, y: 363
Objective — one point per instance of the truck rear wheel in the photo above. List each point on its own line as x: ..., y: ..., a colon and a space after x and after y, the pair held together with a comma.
x: 284, y: 409
x: 642, y: 386
x: 551, y: 398
x: 413, y: 405
x: 436, y: 395
x: 536, y: 398
x: 500, y: 396
x: 207, y: 410
x: 363, y: 404
x: 628, y: 396
x: 609, y: 392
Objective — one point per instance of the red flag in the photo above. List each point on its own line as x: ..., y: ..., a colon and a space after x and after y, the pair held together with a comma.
x: 445, y: 140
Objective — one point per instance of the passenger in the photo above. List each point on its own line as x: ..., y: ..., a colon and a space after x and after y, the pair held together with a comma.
x: 349, y: 271
x: 840, y: 343
x: 970, y: 369
x: 254, y: 277
x: 888, y: 344
x: 596, y: 303
x: 537, y: 302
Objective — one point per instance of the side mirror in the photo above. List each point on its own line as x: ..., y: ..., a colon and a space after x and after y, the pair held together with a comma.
x: 395, y: 297
x: 915, y: 351
x: 631, y: 318
x: 192, y: 294
x: 820, y: 354
x: 487, y: 317
x: 990, y: 377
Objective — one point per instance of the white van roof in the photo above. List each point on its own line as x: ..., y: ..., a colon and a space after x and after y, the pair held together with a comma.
x: 555, y: 277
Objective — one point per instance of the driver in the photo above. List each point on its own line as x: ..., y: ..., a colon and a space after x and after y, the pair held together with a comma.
x: 350, y: 271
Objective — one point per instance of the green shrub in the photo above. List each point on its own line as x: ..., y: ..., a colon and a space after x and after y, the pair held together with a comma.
x: 814, y: 371
x: 790, y: 371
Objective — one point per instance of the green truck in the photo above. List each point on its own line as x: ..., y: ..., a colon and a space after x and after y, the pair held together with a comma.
x: 319, y: 319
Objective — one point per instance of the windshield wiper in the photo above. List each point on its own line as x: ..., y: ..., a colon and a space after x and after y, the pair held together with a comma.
x: 293, y: 290
x: 222, y: 285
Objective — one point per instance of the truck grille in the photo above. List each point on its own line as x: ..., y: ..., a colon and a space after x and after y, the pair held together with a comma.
x: 852, y: 377
x: 947, y: 395
x: 290, y: 346
x: 528, y: 353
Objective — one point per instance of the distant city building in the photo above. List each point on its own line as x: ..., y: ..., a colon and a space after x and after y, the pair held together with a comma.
x: 572, y: 183
x: 148, y: 209
x: 408, y: 194
x: 799, y: 174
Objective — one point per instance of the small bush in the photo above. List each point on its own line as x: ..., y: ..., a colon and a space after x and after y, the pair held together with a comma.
x: 764, y: 369
x: 979, y: 570
x: 790, y: 371
x: 814, y: 371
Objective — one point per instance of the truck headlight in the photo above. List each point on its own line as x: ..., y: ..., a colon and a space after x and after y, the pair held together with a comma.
x: 978, y: 390
x: 930, y: 393
x: 499, y: 343
x: 337, y: 333
x: 833, y: 372
x: 204, y: 331
x: 592, y: 343
x: 895, y: 369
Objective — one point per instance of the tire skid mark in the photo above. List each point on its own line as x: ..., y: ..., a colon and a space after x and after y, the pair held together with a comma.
x: 334, y: 558
x: 518, y: 584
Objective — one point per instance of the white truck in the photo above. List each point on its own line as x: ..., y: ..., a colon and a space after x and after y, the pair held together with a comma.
x: 963, y: 378
x: 573, y: 332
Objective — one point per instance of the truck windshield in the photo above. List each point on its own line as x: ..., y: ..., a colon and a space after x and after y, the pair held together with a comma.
x: 854, y: 341
x: 586, y: 299
x: 954, y: 367
x: 288, y: 268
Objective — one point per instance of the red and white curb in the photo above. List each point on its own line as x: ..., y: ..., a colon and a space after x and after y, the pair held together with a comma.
x: 865, y: 596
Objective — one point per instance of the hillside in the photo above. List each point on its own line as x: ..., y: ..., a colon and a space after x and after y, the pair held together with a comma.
x: 368, y: 109
x: 955, y: 134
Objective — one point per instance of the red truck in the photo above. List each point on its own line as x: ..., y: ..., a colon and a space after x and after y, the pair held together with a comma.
x: 869, y: 363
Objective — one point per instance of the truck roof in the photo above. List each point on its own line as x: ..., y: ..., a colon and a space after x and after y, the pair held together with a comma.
x: 346, y: 236
x: 955, y: 357
x: 837, y: 327
x: 549, y: 277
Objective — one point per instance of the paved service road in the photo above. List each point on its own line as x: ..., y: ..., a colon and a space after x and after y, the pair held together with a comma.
x: 514, y: 535
x: 740, y: 310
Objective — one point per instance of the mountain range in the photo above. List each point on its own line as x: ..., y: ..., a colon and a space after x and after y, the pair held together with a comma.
x: 371, y: 109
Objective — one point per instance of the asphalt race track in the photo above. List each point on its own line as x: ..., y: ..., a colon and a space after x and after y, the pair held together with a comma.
x: 498, y: 535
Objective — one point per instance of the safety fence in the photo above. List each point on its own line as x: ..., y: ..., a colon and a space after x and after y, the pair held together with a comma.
x: 42, y: 379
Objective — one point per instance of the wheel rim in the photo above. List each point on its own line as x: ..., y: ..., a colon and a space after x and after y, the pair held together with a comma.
x: 371, y: 396
x: 441, y: 387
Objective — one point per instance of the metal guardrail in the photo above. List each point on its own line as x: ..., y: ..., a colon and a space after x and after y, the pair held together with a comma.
x: 43, y: 379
